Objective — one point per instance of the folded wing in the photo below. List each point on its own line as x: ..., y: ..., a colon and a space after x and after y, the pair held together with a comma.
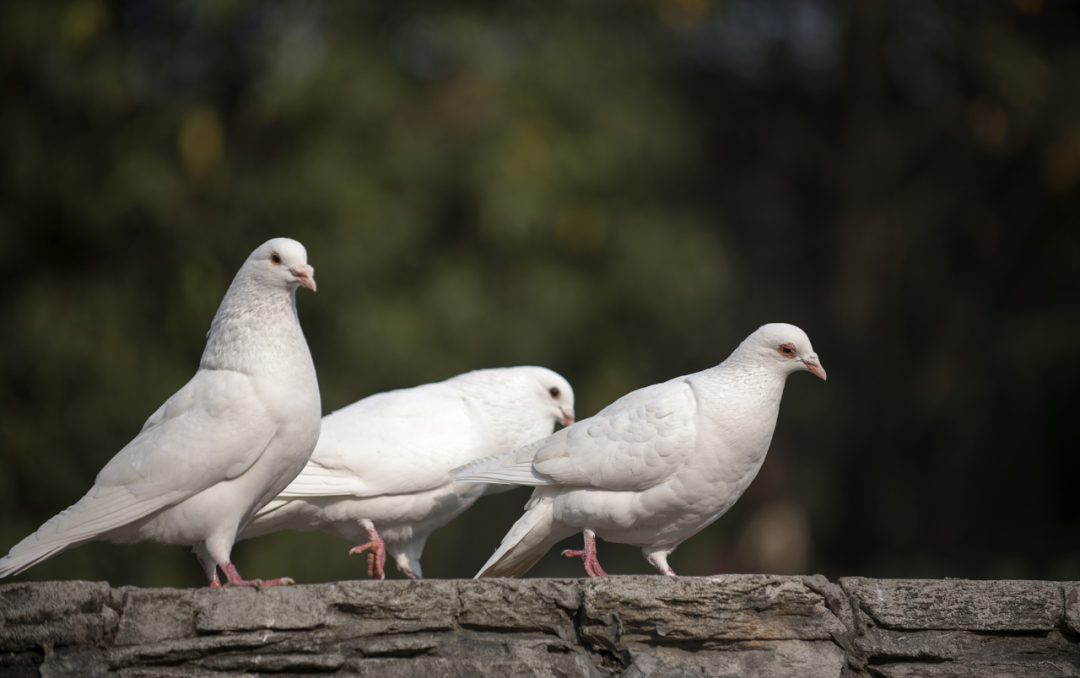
x: 211, y: 430
x: 398, y: 442
x: 633, y: 444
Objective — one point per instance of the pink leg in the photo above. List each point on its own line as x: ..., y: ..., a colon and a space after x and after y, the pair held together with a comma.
x: 235, y: 580
x: 376, y: 557
x: 592, y: 565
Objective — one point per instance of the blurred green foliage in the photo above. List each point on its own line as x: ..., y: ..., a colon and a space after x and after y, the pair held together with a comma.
x: 620, y: 191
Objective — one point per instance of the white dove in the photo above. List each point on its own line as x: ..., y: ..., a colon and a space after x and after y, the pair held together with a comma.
x: 380, y: 473
x: 654, y: 467
x: 220, y: 448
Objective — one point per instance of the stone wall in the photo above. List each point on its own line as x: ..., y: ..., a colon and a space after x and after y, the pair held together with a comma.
x: 737, y: 625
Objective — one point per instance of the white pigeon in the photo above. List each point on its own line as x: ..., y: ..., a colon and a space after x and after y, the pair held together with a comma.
x: 381, y: 471
x: 654, y: 467
x: 223, y: 446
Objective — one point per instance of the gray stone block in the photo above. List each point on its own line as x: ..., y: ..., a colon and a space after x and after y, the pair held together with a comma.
x: 1072, y: 607
x: 748, y: 626
x: 153, y: 615
x: 729, y: 607
x: 916, y: 604
x: 764, y: 659
x: 279, y: 607
x: 547, y: 605
x: 383, y: 607
x: 57, y: 613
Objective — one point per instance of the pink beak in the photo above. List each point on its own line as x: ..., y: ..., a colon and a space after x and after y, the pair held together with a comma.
x: 305, y: 275
x: 815, y: 367
x: 568, y: 418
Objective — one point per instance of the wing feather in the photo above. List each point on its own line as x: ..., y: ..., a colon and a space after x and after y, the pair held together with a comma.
x: 398, y: 442
x: 211, y: 430
x: 633, y: 444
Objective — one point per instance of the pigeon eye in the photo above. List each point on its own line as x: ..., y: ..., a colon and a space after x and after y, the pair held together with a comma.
x: 786, y: 350
x: 275, y: 258
x: 554, y: 391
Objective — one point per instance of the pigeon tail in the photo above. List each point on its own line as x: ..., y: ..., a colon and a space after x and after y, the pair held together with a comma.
x: 279, y: 514
x: 100, y: 511
x: 13, y: 564
x: 509, y: 468
x: 527, y: 541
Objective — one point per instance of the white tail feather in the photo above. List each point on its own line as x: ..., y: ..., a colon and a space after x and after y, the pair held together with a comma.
x: 102, y: 509
x: 526, y: 542
x: 510, y: 468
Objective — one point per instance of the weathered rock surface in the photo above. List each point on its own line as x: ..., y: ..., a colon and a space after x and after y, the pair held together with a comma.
x: 737, y: 625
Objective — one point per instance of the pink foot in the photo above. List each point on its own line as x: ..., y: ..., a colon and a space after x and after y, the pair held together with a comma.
x: 376, y: 557
x: 588, y: 554
x: 235, y: 580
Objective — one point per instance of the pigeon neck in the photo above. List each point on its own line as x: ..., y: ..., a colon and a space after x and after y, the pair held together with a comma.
x: 254, y: 328
x: 748, y: 389
x: 749, y: 370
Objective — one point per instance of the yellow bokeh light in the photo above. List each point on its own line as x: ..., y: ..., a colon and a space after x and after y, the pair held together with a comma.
x: 201, y: 142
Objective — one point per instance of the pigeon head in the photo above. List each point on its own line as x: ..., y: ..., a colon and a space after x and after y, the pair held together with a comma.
x: 281, y: 261
x: 785, y: 347
x: 556, y: 393
x: 531, y: 394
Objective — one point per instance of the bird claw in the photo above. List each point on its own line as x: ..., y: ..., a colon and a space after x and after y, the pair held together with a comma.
x: 233, y: 580
x: 376, y: 557
x: 588, y: 554
x: 257, y: 583
x: 592, y: 565
x: 280, y: 581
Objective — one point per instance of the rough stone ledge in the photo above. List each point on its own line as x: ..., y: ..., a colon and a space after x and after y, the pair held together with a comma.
x: 732, y: 625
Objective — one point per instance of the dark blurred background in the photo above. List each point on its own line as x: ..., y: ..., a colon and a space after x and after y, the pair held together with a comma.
x: 620, y: 191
